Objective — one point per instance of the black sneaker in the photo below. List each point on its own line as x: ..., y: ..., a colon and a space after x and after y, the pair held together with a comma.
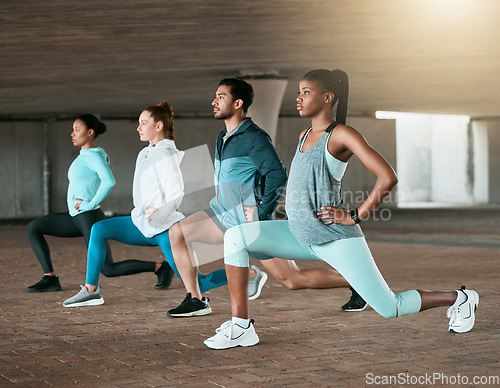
x: 356, y: 303
x: 165, y: 274
x: 47, y: 284
x: 191, y: 307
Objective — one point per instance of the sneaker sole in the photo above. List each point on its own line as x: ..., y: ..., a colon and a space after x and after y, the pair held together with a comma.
x: 198, y: 313
x: 476, y: 304
x: 231, y: 347
x: 354, y: 310
x: 92, y: 302
x: 259, y: 289
x: 165, y: 287
x: 55, y: 289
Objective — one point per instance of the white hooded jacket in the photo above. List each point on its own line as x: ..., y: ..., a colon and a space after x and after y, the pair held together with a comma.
x: 157, y: 183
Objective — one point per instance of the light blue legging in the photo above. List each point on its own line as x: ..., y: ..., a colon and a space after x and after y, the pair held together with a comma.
x: 350, y: 257
x: 122, y: 229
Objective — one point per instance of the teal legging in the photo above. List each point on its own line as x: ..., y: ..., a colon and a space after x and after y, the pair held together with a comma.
x: 350, y: 257
x: 122, y: 229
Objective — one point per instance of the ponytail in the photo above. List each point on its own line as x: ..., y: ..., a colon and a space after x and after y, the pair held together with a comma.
x: 163, y: 112
x: 341, y: 79
x: 336, y: 82
x: 92, y: 122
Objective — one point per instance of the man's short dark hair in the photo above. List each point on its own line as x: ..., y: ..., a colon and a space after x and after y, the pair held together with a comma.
x: 240, y: 90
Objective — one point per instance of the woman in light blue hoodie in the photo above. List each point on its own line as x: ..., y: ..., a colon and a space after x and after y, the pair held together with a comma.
x: 90, y: 181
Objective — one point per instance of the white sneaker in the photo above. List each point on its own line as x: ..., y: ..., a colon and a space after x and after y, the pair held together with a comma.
x: 231, y: 335
x: 255, y: 284
x: 85, y: 298
x: 462, y: 315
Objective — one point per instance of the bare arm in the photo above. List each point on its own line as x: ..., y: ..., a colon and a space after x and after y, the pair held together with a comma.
x: 344, y: 142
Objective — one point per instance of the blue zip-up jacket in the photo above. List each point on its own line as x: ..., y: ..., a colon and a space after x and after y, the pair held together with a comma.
x: 248, y: 171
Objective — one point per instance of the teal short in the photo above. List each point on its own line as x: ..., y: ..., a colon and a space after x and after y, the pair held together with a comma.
x: 350, y: 257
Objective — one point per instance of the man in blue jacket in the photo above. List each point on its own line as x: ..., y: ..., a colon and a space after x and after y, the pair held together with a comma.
x: 249, y: 178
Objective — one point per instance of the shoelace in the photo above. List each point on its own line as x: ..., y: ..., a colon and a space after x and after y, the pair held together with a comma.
x: 224, y: 326
x: 453, y: 313
x: 185, y: 301
x: 83, y: 291
x: 80, y: 293
x: 226, y: 330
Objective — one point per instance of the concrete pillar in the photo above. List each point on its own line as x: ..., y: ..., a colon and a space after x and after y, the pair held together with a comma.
x: 450, y: 180
x: 414, y: 154
x: 268, y: 95
x: 8, y: 179
x: 493, y: 133
x: 480, y: 160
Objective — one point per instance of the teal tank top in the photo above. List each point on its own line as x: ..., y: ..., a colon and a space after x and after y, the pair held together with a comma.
x: 310, y: 186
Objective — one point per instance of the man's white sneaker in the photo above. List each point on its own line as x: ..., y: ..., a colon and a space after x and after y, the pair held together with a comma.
x: 231, y: 335
x: 462, y: 315
x: 255, y: 284
x: 85, y: 298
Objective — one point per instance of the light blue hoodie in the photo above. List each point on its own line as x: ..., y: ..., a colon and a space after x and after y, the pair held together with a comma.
x: 90, y: 179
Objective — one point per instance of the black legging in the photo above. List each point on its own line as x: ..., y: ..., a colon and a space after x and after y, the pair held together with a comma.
x: 63, y: 225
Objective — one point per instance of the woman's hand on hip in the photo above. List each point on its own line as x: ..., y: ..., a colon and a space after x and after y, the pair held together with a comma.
x: 334, y: 215
x: 150, y: 210
x: 78, y: 203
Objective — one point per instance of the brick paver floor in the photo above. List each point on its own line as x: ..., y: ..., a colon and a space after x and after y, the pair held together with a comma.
x: 305, y: 339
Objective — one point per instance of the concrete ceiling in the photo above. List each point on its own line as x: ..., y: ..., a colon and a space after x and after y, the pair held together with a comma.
x: 117, y: 57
